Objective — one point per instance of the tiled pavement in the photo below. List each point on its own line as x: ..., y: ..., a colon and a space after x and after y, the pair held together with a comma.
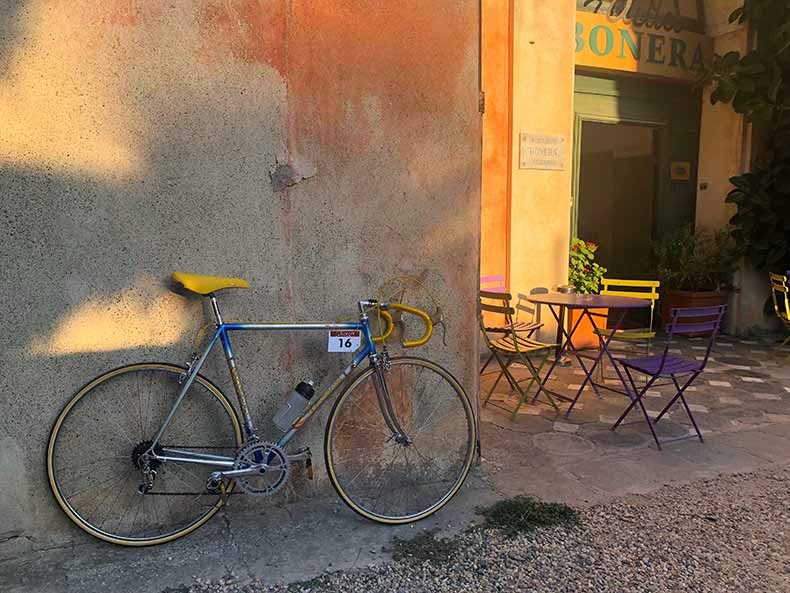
x: 741, y: 403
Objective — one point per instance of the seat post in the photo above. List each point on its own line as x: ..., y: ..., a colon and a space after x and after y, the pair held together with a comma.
x: 215, y: 308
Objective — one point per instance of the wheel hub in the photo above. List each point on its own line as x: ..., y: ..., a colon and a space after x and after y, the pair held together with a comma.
x: 141, y: 460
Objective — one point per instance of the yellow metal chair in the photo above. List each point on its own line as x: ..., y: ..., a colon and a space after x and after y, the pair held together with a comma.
x: 780, y: 293
x: 638, y: 289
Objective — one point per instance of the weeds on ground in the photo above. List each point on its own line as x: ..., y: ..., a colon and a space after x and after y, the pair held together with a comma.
x: 524, y: 514
x: 425, y: 546
x: 309, y: 585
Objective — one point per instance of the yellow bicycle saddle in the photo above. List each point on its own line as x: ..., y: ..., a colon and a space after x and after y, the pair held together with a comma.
x: 207, y: 284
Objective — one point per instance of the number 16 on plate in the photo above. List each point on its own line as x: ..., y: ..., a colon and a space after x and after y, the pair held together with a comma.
x: 344, y: 340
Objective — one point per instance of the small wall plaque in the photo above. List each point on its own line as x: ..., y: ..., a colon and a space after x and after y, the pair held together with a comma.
x: 542, y: 151
x: 680, y: 171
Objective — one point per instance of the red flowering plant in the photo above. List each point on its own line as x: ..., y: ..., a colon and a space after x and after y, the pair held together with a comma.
x: 583, y: 272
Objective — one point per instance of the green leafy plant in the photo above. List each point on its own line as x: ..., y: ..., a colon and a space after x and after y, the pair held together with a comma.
x: 757, y: 85
x: 757, y: 82
x: 696, y: 260
x: 761, y: 225
x: 583, y: 271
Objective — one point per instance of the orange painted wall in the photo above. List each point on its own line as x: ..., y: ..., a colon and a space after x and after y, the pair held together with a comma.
x: 495, y: 193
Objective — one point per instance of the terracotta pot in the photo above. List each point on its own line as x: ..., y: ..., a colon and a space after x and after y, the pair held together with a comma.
x: 585, y: 337
x: 682, y: 299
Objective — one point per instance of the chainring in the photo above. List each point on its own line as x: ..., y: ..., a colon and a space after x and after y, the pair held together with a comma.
x: 273, y: 478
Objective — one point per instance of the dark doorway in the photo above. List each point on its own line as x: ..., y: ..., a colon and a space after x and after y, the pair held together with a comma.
x: 617, y: 195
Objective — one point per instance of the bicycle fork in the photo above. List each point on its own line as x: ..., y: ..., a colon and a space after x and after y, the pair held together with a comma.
x: 381, y: 364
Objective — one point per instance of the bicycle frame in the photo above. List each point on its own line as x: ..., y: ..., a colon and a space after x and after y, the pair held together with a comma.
x: 222, y: 334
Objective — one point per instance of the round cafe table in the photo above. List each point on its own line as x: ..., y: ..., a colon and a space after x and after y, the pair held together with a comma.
x: 559, y: 303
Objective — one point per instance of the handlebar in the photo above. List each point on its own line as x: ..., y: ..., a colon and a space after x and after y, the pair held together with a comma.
x: 425, y: 317
x: 390, y: 326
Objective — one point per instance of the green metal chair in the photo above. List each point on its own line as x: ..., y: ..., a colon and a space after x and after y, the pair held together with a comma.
x: 780, y: 293
x: 525, y: 328
x: 513, y: 349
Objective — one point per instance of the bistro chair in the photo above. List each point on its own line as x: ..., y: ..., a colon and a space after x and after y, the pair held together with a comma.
x: 637, y: 289
x: 493, y: 283
x: 696, y: 321
x: 525, y: 308
x: 502, y: 299
x: 514, y: 348
x: 780, y: 293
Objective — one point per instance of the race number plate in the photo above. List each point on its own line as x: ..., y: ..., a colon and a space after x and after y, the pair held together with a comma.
x: 344, y: 340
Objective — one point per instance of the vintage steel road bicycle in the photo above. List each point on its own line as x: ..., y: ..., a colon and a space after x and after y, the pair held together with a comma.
x: 147, y: 453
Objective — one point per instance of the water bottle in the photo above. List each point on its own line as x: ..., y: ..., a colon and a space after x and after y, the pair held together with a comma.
x: 297, y: 403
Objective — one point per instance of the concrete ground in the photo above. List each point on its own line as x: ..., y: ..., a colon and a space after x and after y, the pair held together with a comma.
x: 742, y: 404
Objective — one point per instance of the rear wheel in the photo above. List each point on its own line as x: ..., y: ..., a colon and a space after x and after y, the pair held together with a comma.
x: 97, y: 446
x: 395, y: 480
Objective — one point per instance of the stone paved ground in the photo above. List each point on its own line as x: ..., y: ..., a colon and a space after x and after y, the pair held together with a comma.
x: 741, y: 403
x: 744, y: 401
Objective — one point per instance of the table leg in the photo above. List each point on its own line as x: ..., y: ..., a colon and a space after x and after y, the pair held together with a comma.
x: 564, y: 341
x: 560, y: 328
x: 603, y: 349
x: 558, y: 353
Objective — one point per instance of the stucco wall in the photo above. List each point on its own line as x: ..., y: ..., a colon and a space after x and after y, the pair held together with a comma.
x: 542, y: 104
x: 723, y: 148
x: 725, y: 151
x: 140, y: 137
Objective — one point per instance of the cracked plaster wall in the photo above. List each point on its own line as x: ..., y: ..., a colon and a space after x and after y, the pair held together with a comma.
x: 314, y: 148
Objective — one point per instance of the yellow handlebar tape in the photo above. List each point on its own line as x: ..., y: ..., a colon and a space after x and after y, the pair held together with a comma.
x: 426, y: 319
x: 422, y: 315
x: 390, y: 326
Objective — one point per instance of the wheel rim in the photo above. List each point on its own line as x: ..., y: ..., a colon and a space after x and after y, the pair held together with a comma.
x: 392, y: 482
x: 98, y: 438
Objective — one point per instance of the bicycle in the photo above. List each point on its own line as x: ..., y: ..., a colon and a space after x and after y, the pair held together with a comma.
x: 147, y: 453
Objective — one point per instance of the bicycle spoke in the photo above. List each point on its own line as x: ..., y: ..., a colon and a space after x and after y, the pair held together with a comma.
x: 401, y: 480
x: 103, y: 491
x: 117, y: 493
x: 141, y: 408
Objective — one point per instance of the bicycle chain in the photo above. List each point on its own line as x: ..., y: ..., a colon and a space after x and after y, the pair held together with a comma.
x: 205, y: 492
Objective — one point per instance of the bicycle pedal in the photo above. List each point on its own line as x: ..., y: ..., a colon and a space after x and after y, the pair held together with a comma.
x: 305, y: 457
x: 214, y: 485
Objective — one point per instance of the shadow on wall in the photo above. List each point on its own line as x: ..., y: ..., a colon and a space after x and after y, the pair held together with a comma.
x: 125, y: 152
x: 136, y: 139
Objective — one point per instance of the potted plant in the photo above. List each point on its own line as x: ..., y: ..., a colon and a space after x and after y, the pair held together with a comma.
x: 695, y: 267
x: 585, y: 275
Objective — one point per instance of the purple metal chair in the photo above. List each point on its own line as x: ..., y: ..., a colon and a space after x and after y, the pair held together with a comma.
x: 705, y: 320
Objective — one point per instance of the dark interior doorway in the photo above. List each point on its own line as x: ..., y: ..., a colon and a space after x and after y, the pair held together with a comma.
x: 617, y: 195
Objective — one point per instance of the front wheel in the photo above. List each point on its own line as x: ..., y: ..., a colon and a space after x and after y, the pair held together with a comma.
x: 382, y: 475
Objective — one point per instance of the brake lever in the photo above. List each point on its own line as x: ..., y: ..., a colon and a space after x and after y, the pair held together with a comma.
x: 440, y: 322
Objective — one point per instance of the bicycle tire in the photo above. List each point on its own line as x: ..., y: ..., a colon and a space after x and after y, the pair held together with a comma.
x: 79, y: 429
x: 352, y: 450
